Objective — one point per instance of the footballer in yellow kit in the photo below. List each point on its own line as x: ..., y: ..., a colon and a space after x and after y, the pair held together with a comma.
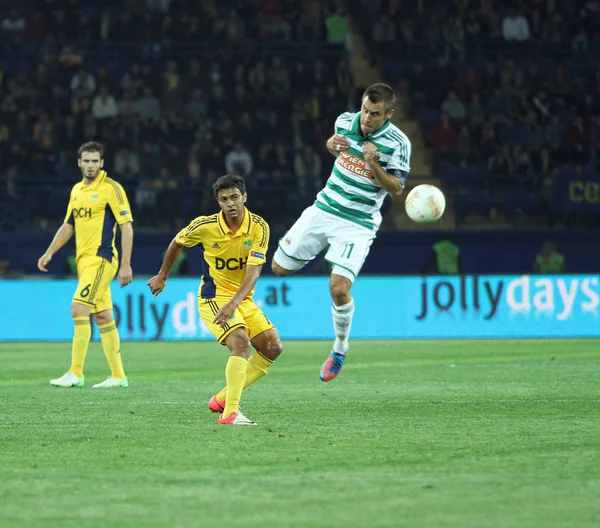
x: 235, y: 244
x: 96, y: 206
x: 226, y: 256
x: 94, y: 211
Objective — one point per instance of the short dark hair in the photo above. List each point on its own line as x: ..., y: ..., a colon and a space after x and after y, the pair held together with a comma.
x: 91, y: 146
x: 227, y: 182
x: 381, y: 93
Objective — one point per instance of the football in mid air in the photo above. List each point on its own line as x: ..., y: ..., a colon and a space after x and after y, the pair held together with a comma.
x: 425, y: 204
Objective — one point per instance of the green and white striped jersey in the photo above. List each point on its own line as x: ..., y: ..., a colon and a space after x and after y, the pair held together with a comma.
x: 351, y: 191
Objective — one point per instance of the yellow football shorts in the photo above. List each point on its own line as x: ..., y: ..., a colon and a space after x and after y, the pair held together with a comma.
x: 95, y: 275
x: 247, y: 316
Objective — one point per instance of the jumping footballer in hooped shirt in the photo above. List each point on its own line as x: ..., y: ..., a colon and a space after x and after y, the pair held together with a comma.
x: 372, y: 161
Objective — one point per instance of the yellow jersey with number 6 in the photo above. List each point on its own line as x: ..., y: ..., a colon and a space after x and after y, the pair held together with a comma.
x: 94, y: 211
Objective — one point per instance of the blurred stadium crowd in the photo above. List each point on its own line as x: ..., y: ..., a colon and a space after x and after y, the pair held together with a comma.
x: 507, y: 94
x: 192, y: 90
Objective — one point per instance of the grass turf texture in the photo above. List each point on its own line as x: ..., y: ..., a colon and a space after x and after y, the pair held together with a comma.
x: 433, y: 434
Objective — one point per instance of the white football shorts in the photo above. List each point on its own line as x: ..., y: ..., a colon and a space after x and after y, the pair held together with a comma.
x: 349, y: 243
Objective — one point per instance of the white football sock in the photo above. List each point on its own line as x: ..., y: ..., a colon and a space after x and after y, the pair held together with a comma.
x: 342, y: 321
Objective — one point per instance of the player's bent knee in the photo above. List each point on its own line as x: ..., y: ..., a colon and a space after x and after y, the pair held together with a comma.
x: 273, y: 349
x: 79, y: 310
x: 269, y: 344
x: 104, y: 317
x: 238, y: 343
x: 279, y: 270
x: 340, y: 291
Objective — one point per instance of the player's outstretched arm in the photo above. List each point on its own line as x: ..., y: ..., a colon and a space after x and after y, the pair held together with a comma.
x: 62, y: 236
x: 226, y: 311
x: 159, y: 281
x: 125, y: 275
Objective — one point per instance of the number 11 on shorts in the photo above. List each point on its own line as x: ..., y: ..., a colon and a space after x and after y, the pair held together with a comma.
x: 348, y: 247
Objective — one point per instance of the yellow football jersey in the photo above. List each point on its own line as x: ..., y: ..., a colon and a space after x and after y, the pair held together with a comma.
x: 226, y: 254
x: 94, y: 211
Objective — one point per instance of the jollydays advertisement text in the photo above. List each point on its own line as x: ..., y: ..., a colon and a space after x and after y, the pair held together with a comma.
x: 386, y: 308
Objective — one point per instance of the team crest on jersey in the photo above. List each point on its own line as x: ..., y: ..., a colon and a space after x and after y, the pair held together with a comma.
x: 94, y: 197
x: 287, y: 241
x: 247, y: 244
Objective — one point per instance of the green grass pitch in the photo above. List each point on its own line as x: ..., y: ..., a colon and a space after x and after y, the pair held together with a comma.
x: 415, y: 433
